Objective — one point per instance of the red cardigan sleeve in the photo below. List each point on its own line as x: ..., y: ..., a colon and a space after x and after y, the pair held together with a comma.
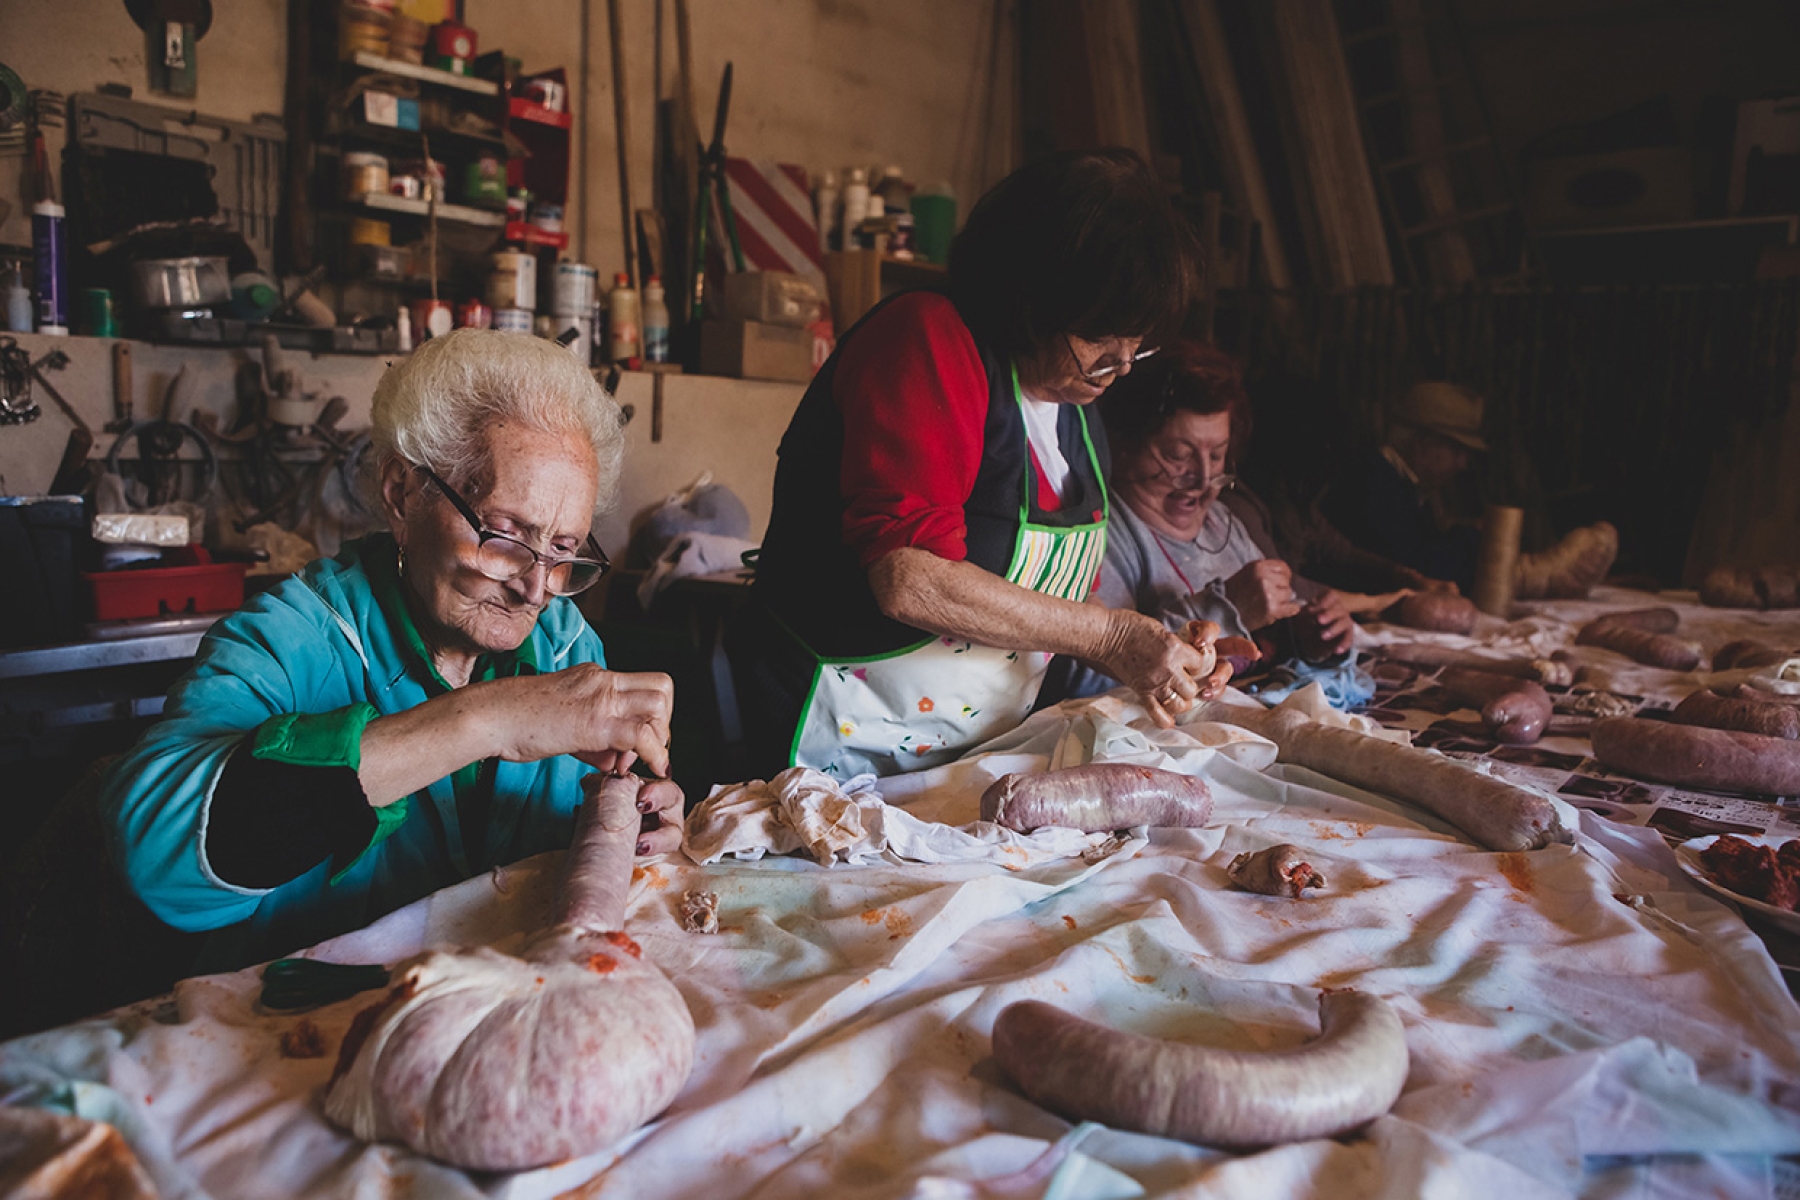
x: 914, y: 397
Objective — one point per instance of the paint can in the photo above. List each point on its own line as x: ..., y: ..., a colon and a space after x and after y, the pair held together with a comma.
x: 577, y: 284
x: 512, y: 320
x: 512, y: 280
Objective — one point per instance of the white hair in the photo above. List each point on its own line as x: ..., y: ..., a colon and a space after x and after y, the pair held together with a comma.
x: 433, y: 407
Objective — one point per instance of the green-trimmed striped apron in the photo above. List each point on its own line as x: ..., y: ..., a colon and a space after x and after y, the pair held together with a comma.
x: 923, y: 705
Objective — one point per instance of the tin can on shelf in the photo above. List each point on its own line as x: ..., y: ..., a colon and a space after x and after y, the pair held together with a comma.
x: 473, y: 314
x: 512, y: 320
x: 406, y: 39
x: 518, y: 200
x: 576, y: 286
x: 363, y: 30
x: 484, y: 181
x: 364, y: 174
x: 370, y: 231
x: 512, y: 280
x: 548, y: 217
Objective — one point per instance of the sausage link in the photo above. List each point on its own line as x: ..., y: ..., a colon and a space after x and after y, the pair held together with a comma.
x: 1515, y: 711
x: 1437, y: 612
x: 1346, y: 1077
x: 1710, y: 759
x: 1747, y: 716
x: 1651, y: 649
x: 1097, y: 798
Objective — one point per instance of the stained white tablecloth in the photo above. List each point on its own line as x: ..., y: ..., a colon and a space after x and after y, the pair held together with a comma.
x: 1581, y: 1020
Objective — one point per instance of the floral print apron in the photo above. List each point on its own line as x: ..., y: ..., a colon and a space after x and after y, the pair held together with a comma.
x: 923, y: 705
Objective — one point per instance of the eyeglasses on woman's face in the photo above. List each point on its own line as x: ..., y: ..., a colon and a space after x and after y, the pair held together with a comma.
x: 504, y: 558
x: 1104, y: 367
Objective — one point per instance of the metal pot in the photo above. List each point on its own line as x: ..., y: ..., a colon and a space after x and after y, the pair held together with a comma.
x: 180, y: 283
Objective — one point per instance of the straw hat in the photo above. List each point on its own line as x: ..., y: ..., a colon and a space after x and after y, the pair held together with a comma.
x: 1444, y: 409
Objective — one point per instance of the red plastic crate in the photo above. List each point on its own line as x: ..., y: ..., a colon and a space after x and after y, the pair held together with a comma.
x: 165, y: 591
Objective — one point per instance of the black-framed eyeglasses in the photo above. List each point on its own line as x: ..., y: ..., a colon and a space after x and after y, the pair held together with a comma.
x: 1103, y: 370
x: 503, y: 558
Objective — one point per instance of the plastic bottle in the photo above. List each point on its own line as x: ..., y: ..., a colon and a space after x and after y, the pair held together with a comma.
x: 622, y: 311
x: 656, y: 322
x: 16, y: 299
x: 403, y: 327
x: 48, y: 244
x: 894, y: 192
x: 825, y: 203
x: 856, y: 204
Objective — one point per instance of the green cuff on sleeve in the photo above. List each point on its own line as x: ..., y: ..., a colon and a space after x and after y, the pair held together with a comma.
x: 387, y: 819
x: 327, y: 739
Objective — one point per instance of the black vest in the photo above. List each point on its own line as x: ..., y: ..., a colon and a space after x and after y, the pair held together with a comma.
x: 816, y: 585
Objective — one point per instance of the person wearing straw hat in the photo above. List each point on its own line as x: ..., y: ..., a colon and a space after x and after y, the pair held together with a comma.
x: 1391, y: 503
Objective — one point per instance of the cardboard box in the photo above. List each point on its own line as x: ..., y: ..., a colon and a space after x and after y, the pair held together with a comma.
x: 756, y: 350
x: 772, y: 297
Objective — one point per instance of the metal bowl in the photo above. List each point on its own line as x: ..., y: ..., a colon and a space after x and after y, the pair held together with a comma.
x: 180, y: 283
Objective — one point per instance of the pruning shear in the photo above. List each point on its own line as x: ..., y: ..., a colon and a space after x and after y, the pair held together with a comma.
x: 291, y: 983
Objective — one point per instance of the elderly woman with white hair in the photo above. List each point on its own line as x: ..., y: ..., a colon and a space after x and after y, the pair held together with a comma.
x: 425, y: 706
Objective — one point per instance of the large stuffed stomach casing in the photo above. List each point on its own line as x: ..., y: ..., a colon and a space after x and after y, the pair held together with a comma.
x: 515, y: 1062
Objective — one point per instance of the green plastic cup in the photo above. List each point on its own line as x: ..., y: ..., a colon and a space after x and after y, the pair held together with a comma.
x: 934, y: 224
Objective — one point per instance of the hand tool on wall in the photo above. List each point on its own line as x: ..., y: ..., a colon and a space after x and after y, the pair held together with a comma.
x: 172, y: 27
x: 56, y: 360
x: 121, y: 388
x: 712, y: 174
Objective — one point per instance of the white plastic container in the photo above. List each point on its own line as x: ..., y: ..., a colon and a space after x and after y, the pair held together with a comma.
x: 856, y: 202
x: 825, y: 208
x: 576, y: 285
x: 656, y: 322
x: 623, y: 329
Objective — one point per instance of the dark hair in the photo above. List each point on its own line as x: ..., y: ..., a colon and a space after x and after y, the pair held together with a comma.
x: 1083, y: 242
x: 1187, y: 376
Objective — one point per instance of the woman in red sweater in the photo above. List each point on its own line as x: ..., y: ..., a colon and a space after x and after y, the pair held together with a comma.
x: 940, y: 507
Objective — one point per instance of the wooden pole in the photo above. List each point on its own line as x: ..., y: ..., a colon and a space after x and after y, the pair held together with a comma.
x: 627, y: 226
x: 1498, y: 561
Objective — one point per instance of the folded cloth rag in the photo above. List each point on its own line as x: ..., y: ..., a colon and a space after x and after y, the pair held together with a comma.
x: 1345, y: 684
x: 691, y: 554
x: 803, y: 809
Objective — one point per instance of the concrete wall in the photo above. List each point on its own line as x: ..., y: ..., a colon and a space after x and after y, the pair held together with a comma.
x: 823, y: 83
x: 727, y: 426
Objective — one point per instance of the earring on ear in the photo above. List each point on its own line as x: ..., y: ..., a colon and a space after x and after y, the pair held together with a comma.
x: 400, y: 561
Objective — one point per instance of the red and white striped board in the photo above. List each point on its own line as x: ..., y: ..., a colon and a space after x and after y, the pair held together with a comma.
x: 772, y: 205
x: 775, y: 226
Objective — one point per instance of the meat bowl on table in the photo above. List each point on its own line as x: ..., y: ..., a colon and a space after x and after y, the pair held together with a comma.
x: 1308, y: 952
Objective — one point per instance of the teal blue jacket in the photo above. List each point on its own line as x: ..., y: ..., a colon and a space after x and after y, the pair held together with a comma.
x: 321, y: 642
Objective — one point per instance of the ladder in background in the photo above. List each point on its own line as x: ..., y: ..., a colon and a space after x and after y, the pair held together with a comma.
x: 1448, y: 196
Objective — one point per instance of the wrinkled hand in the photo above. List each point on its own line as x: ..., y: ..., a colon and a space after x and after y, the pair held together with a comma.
x: 1164, y: 667
x: 1263, y: 593
x: 609, y: 719
x: 659, y: 804
x: 1324, y: 629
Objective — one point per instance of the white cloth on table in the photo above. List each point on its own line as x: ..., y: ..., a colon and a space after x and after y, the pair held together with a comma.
x: 1581, y: 1020
x: 806, y: 810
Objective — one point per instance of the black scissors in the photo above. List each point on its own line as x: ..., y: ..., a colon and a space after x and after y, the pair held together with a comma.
x: 290, y: 983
